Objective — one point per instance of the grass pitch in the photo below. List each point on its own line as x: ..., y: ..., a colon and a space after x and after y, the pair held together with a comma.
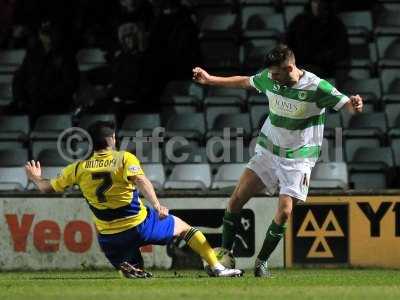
x: 286, y: 284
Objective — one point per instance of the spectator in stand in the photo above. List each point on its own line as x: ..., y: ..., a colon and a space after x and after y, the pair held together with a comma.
x: 131, y: 77
x: 7, y: 11
x: 174, y: 40
x: 319, y: 38
x: 131, y: 80
x: 136, y: 11
x: 48, y: 77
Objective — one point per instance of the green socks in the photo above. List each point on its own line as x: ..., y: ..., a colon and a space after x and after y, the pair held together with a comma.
x: 274, y: 234
x: 230, y: 222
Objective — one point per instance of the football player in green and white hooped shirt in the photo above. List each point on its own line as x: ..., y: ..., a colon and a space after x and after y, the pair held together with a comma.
x: 289, y: 143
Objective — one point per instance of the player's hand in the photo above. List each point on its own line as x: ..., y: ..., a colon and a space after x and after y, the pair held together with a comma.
x: 357, y: 103
x: 162, y: 211
x: 33, y: 169
x: 201, y: 76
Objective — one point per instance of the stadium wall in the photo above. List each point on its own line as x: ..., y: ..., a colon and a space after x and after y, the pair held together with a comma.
x: 57, y: 233
x: 350, y: 230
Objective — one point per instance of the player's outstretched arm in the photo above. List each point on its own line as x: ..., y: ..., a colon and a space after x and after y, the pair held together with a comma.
x: 201, y: 76
x: 355, y: 105
x: 147, y: 189
x: 34, y: 173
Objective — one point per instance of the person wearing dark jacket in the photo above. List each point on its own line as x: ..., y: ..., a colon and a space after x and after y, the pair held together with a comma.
x: 319, y: 38
x: 48, y: 77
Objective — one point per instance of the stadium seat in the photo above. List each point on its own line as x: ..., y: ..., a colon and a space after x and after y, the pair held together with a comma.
x: 362, y: 55
x: 332, y: 175
x: 395, y: 145
x: 6, y: 96
x: 224, y: 92
x: 189, y: 176
x: 13, y: 157
x: 292, y: 11
x: 14, y: 128
x: 258, y: 98
x: 184, y: 88
x: 38, y: 146
x: 50, y: 126
x: 10, y: 60
x: 256, y: 2
x: 191, y: 126
x: 90, y: 58
x: 365, y: 130
x: 369, y: 89
x: 239, y: 125
x: 146, y: 152
x: 11, y: 144
x: 178, y: 153
x: 227, y: 175
x: 135, y: 122
x: 52, y: 158
x: 368, y: 121
x: 223, y: 101
x: 390, y: 85
x: 258, y: 114
x: 388, y: 23
x: 357, y: 73
x: 178, y: 109
x: 6, y: 78
x: 392, y: 111
x: 212, y: 112
x: 368, y: 180
x: 87, y: 120
x: 229, y: 152
x: 185, y: 155
x: 369, y: 107
x: 253, y: 52
x: 204, y: 9
x: 179, y: 104
x: 12, y: 179
x: 251, y: 10
x: 219, y: 26
x: 355, y: 143
x: 156, y: 174
x: 333, y: 121
x: 358, y: 23
x: 264, y: 26
x: 374, y: 158
x: 370, y: 167
x: 388, y: 51
x: 219, y: 54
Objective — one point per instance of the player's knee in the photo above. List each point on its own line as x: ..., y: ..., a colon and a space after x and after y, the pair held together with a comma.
x: 180, y: 227
x: 235, y: 203
x: 284, y: 214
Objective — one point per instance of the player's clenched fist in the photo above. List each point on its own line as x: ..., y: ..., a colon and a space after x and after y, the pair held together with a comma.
x: 200, y: 75
x: 357, y: 103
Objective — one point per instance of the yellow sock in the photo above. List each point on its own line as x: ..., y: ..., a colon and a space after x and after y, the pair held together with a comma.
x: 198, y: 242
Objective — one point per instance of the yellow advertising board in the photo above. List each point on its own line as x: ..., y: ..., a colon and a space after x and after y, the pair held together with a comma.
x: 345, y: 230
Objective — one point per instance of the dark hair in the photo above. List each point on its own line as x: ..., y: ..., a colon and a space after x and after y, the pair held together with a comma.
x: 278, y: 55
x: 99, y: 131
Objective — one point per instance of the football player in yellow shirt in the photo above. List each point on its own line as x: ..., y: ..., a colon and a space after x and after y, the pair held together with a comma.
x: 110, y: 181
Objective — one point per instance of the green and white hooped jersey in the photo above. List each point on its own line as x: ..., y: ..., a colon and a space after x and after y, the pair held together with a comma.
x: 295, y: 125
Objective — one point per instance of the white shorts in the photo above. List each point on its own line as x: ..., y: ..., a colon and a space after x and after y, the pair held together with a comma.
x: 291, y: 176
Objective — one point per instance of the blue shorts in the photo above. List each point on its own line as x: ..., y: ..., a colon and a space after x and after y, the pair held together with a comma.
x: 124, y: 246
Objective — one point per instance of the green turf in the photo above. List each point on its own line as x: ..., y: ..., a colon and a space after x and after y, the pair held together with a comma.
x: 286, y: 284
